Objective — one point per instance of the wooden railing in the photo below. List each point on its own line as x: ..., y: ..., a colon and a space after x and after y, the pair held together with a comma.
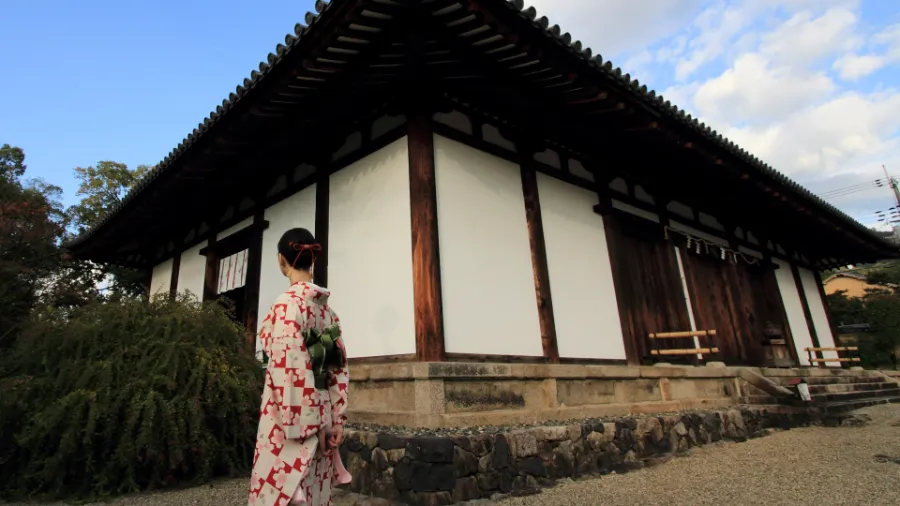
x: 696, y: 350
x: 851, y: 351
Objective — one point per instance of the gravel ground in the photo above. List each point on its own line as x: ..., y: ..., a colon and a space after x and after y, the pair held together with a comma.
x: 810, y: 466
x: 814, y: 466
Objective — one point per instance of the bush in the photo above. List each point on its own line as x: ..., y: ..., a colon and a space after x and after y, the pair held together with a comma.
x: 120, y: 397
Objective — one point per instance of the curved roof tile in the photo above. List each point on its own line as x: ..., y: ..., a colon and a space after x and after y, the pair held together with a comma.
x: 530, y: 14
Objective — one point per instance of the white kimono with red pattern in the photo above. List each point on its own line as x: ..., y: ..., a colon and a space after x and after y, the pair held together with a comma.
x: 288, y: 468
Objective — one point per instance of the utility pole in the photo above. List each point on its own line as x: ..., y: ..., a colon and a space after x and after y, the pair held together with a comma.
x: 893, y: 182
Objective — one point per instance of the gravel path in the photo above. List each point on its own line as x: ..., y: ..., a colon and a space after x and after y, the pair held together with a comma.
x: 812, y: 466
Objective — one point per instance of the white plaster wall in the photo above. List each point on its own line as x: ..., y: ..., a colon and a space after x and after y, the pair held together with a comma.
x: 581, y: 283
x: 298, y: 210
x: 161, y: 278
x: 486, y: 274
x: 234, y: 228
x: 370, y: 253
x: 794, y: 309
x: 192, y: 271
x: 819, y: 317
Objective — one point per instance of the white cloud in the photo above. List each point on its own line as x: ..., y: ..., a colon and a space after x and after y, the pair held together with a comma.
x: 854, y: 66
x: 782, y: 78
x: 804, y: 39
x: 754, y: 90
x: 615, y: 27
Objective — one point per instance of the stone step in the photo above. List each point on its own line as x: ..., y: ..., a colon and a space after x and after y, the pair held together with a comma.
x: 845, y: 406
x: 852, y: 387
x: 831, y: 380
x: 758, y: 400
x: 848, y: 396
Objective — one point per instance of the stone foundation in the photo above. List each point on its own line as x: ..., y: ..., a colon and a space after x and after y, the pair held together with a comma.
x: 442, y: 470
x: 441, y: 395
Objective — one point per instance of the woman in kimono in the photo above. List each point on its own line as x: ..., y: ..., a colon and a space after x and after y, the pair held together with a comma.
x: 304, y: 401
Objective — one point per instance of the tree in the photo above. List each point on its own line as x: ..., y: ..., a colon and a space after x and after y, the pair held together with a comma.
x: 12, y: 162
x: 881, y: 310
x: 32, y: 223
x: 102, y: 188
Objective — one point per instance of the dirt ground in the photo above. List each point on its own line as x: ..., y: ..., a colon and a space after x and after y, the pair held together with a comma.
x: 814, y: 466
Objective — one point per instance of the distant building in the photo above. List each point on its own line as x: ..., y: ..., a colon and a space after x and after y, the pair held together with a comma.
x: 854, y: 284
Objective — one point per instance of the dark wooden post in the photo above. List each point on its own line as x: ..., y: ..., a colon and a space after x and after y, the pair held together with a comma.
x: 429, y: 316
x: 254, y: 271
x: 176, y: 269
x: 611, y: 229
x: 806, y: 312
x: 533, y: 218
x: 323, y: 192
x: 211, y: 279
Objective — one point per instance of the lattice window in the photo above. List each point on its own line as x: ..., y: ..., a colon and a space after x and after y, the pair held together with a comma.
x: 233, y: 272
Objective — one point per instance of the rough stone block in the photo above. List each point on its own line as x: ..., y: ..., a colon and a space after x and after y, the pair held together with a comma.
x: 523, y: 443
x: 464, y: 462
x: 435, y: 450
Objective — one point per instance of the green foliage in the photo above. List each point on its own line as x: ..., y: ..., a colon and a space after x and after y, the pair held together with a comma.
x: 102, y: 188
x: 881, y: 310
x: 31, y: 224
x: 12, y: 162
x: 123, y: 396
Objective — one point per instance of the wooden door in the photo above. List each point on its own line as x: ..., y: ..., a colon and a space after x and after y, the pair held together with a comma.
x: 648, y: 284
x: 736, y: 299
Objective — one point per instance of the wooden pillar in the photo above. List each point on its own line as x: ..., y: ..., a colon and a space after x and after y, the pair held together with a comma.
x: 611, y: 229
x: 176, y: 268
x: 806, y: 312
x: 211, y: 278
x: 323, y: 192
x: 538, y: 254
x: 429, y: 318
x: 254, y: 271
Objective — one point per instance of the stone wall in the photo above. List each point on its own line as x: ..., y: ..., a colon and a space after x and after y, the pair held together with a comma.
x: 439, y: 395
x: 442, y: 470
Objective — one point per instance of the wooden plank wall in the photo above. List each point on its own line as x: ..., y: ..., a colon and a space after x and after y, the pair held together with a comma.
x: 736, y: 299
x: 650, y: 295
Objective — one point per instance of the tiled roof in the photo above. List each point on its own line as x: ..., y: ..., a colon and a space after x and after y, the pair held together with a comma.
x: 605, y: 69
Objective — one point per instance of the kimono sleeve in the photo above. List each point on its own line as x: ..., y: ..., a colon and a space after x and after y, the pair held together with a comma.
x: 291, y: 373
x: 339, y: 383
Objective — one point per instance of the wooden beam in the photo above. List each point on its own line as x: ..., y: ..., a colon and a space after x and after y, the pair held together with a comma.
x: 611, y: 229
x: 429, y: 318
x: 211, y: 277
x: 805, y: 303
x: 539, y: 260
x: 254, y: 272
x: 176, y: 269
x: 323, y: 191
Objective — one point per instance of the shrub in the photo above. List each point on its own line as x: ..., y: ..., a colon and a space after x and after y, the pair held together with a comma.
x: 119, y: 397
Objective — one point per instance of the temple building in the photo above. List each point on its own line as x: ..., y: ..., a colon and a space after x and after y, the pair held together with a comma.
x: 491, y: 192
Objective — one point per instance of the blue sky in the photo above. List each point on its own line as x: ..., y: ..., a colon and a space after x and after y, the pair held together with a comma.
x: 809, y: 86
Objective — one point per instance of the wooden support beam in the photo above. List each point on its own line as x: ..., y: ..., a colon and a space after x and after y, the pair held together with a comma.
x: 611, y: 229
x: 254, y: 272
x: 805, y: 303
x: 176, y: 269
x: 211, y: 277
x: 538, y: 255
x: 323, y: 193
x: 429, y: 318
